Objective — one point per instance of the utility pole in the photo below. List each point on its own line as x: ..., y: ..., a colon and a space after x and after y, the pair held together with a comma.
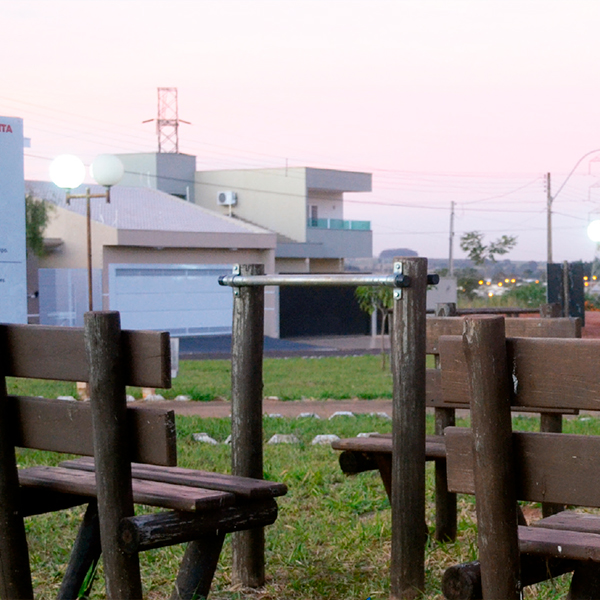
x: 549, y: 218
x: 451, y: 250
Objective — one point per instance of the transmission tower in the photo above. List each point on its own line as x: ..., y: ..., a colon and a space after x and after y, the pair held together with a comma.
x: 167, y: 121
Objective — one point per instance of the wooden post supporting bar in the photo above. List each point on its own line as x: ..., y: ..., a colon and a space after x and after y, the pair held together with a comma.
x: 246, y: 417
x: 102, y: 332
x: 15, y: 575
x: 485, y: 349
x: 408, y: 434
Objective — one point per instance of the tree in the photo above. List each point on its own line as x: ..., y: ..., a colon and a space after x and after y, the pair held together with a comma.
x: 37, y: 217
x: 380, y: 299
x: 478, y: 252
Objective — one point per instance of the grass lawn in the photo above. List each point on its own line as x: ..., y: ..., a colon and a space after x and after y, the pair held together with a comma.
x: 331, y: 539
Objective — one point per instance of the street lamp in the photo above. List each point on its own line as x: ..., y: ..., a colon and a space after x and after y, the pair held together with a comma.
x: 68, y: 172
x: 550, y: 199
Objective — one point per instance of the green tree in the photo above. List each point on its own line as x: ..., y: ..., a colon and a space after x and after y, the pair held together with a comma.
x: 37, y: 216
x: 380, y: 299
x: 478, y: 252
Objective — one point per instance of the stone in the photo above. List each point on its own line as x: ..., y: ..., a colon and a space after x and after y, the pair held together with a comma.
x: 204, y: 437
x: 154, y: 398
x: 308, y: 415
x: 324, y: 439
x: 284, y: 438
x: 342, y: 413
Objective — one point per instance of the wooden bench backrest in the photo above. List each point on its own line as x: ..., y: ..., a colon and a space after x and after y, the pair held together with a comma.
x: 548, y: 467
x: 438, y: 327
x: 58, y: 353
x: 515, y: 327
x: 542, y: 373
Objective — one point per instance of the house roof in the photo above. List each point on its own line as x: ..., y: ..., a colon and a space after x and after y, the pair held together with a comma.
x: 143, y: 209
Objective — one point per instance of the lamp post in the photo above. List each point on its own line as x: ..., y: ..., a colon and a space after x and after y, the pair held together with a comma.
x: 68, y: 172
x: 550, y: 198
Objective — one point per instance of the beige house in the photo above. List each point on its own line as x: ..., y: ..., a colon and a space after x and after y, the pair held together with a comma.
x: 304, y: 206
x: 156, y: 259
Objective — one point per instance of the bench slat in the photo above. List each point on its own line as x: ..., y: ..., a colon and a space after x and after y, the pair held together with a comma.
x: 572, y: 521
x: 245, y: 487
x: 549, y: 467
x: 572, y: 382
x: 557, y: 543
x: 44, y: 352
x: 434, y: 445
x: 563, y: 327
x: 152, y: 493
x: 63, y: 426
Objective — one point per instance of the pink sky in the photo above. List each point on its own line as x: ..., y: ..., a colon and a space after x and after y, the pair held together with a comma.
x: 451, y: 100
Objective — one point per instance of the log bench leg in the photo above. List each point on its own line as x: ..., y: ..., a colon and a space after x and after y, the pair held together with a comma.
x: 86, y: 553
x: 198, y: 567
x: 585, y: 584
x: 445, y: 501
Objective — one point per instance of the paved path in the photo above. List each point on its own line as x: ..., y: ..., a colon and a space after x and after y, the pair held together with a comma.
x: 291, y: 408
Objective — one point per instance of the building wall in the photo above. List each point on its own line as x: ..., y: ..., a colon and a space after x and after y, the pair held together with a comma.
x: 330, y: 205
x: 72, y: 229
x: 140, y: 170
x: 272, y: 198
x: 167, y: 172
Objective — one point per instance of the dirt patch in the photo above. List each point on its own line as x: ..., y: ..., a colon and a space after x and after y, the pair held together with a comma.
x: 292, y: 408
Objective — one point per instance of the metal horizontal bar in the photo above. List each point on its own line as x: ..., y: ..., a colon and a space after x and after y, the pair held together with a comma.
x: 396, y: 281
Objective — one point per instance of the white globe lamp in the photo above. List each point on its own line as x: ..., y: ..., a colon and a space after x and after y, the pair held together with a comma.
x: 593, y: 231
x: 67, y: 171
x: 107, y: 170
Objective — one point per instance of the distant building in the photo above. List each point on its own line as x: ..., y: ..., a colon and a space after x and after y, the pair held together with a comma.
x: 304, y: 206
x: 156, y: 259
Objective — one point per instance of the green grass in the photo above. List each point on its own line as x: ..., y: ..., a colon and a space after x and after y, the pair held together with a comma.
x: 331, y: 539
x: 289, y: 379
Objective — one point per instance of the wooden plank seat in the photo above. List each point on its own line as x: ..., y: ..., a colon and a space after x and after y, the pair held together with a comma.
x: 364, y: 454
x: 506, y: 466
x: 197, y: 507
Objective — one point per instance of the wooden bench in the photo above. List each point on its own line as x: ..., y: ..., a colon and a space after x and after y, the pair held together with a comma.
x: 506, y: 466
x: 365, y: 454
x: 134, y: 463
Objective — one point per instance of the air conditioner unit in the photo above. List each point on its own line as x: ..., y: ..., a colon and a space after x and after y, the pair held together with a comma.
x: 226, y: 198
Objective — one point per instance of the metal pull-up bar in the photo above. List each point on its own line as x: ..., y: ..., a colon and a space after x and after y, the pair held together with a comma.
x: 397, y: 280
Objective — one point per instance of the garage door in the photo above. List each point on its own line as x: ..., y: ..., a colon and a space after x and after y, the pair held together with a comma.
x: 180, y: 299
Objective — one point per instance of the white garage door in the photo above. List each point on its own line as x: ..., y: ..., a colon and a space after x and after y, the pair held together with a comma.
x: 180, y: 299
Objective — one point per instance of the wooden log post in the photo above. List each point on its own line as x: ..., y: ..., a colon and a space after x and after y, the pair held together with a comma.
x: 485, y: 349
x: 246, y: 417
x: 102, y: 332
x: 15, y: 575
x: 408, y: 433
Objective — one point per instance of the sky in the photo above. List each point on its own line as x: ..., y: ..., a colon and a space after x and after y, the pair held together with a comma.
x: 471, y: 102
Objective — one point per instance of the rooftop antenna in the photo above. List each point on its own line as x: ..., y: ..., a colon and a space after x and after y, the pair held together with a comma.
x: 167, y: 121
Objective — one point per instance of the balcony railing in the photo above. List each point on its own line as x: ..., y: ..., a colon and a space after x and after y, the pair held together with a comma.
x: 339, y: 224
